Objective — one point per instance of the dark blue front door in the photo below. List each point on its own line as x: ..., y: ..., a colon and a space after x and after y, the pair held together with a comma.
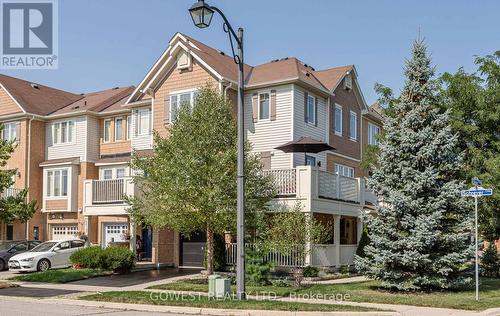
x: 147, y: 241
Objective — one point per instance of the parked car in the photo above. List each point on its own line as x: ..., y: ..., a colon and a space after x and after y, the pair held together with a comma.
x: 50, y: 254
x: 9, y: 248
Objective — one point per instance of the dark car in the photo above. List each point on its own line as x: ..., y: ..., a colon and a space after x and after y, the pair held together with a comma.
x: 9, y: 248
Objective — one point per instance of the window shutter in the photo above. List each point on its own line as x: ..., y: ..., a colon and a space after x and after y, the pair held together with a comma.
x: 272, y: 115
x: 305, y: 106
x: 166, y: 110
x: 255, y: 104
x: 315, y: 111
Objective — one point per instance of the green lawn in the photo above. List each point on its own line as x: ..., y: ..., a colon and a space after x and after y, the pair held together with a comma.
x: 60, y: 275
x: 368, y: 292
x: 143, y: 297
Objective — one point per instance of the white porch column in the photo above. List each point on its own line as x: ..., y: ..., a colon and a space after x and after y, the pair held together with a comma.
x: 359, y: 230
x: 132, y: 236
x: 308, y: 246
x: 336, y: 239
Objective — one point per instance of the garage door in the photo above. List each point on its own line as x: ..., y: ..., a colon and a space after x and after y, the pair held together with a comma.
x: 115, y: 233
x: 193, y: 249
x: 64, y: 232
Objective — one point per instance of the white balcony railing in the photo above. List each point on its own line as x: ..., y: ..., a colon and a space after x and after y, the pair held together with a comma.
x: 307, y: 181
x: 10, y: 192
x: 111, y: 191
x: 292, y: 259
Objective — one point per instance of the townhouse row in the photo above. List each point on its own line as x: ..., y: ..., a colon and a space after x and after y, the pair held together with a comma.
x: 73, y: 150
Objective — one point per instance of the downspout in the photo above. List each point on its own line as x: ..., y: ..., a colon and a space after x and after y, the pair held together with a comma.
x: 28, y: 167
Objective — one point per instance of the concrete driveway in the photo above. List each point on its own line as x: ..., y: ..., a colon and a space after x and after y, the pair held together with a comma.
x: 136, y: 278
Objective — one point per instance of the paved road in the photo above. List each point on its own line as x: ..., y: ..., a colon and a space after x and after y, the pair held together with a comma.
x: 25, y: 308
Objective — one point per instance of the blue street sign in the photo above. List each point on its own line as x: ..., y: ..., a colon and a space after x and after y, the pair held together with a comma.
x: 476, y: 182
x: 477, y: 192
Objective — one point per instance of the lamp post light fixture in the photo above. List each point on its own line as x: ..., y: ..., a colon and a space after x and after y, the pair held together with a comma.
x: 202, y: 14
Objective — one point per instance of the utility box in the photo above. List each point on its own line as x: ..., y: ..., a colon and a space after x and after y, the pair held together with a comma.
x: 222, y: 287
x: 211, y: 284
x: 218, y: 287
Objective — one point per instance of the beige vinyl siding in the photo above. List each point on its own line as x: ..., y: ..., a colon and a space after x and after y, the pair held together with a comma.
x: 303, y: 129
x: 266, y: 135
x: 92, y: 139
x: 76, y: 148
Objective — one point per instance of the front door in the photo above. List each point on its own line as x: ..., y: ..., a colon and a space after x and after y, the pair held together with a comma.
x: 10, y: 232
x: 193, y: 249
x: 147, y: 243
x: 114, y: 233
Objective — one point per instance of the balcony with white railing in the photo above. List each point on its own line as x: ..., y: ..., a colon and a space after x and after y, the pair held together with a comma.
x: 107, y: 197
x: 10, y: 192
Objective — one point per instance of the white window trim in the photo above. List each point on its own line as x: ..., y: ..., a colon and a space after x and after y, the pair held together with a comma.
x: 338, y: 106
x: 314, y: 109
x: 192, y: 92
x: 9, y: 126
x: 355, y: 115
x: 350, y: 170
x: 138, y: 122
x: 372, y: 140
x: 55, y: 137
x: 269, y: 105
x: 103, y: 172
x: 104, y: 131
x: 130, y: 127
x: 51, y: 196
x: 123, y: 136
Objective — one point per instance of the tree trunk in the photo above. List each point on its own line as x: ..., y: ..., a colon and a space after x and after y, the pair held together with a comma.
x: 210, y: 250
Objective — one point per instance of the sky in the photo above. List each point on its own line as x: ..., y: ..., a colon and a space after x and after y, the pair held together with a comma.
x: 104, y: 44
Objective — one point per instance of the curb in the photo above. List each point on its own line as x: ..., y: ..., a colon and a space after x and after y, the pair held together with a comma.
x: 192, y: 310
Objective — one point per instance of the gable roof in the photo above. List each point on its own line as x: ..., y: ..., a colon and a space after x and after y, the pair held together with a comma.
x: 35, y: 98
x: 99, y: 101
x: 223, y: 66
x: 331, y: 77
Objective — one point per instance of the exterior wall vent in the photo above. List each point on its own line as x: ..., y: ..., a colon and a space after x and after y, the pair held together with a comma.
x: 183, y: 61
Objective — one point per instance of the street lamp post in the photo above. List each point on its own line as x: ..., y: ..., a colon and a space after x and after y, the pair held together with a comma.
x: 202, y: 13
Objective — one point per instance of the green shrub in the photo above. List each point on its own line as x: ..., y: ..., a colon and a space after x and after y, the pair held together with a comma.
x: 490, y: 262
x: 363, y: 242
x: 118, y: 259
x: 345, y: 269
x: 87, y: 258
x: 257, y: 269
x: 310, y: 272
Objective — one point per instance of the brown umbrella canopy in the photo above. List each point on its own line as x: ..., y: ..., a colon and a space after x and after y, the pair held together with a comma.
x: 305, y: 145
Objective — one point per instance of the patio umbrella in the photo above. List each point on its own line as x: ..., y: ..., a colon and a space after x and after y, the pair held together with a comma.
x: 305, y: 145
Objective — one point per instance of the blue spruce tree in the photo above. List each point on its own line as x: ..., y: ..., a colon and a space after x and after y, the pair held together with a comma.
x: 420, y: 232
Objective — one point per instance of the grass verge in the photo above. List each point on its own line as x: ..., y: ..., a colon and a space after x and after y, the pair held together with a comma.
x: 60, y: 275
x: 200, y: 301
x: 368, y: 292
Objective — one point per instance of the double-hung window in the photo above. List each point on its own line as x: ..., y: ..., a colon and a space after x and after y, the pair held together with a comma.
x: 62, y: 132
x: 129, y: 126
x: 180, y: 99
x: 373, y: 131
x: 107, y: 174
x: 120, y: 173
x: 107, y: 131
x: 311, y: 109
x: 344, y: 170
x: 57, y: 183
x: 338, y: 120
x: 144, y: 121
x: 353, y: 125
x: 9, y: 132
x: 118, y: 129
x: 264, y: 106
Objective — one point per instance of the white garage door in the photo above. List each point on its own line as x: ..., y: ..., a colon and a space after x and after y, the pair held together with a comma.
x: 115, y: 233
x: 64, y: 232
